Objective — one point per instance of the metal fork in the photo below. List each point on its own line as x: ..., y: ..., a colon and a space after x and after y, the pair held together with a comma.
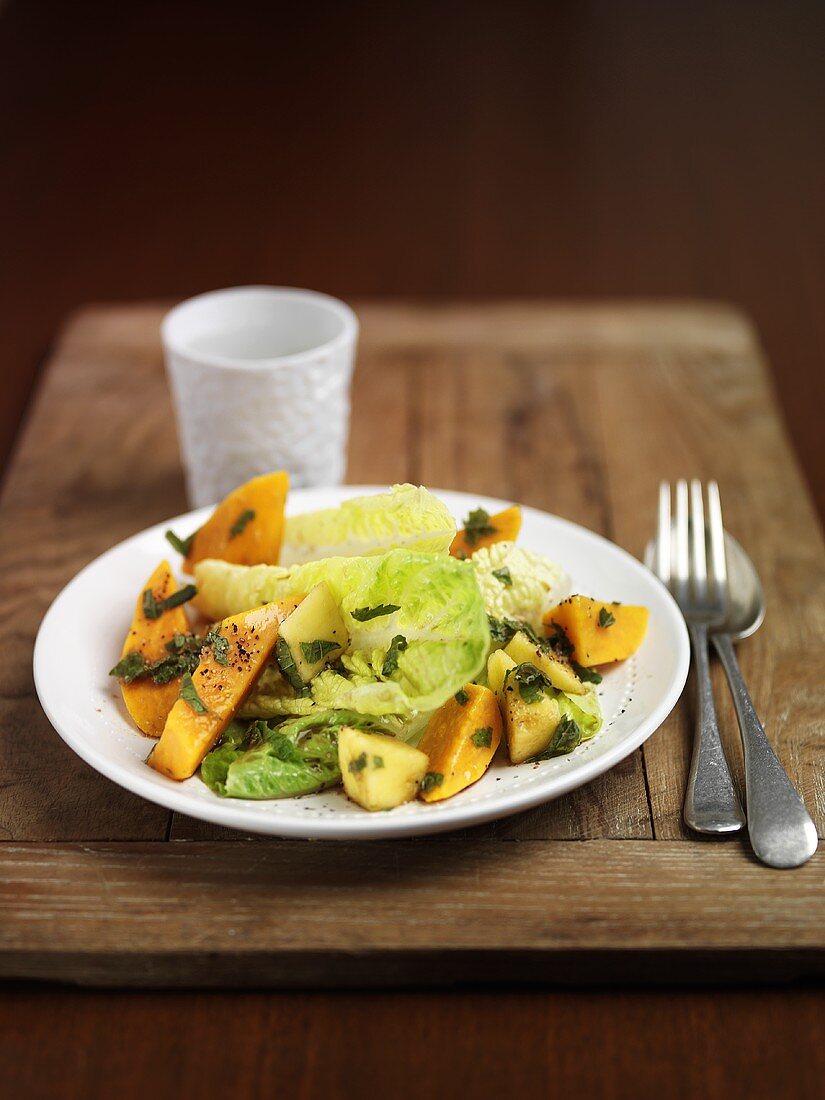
x: 681, y: 562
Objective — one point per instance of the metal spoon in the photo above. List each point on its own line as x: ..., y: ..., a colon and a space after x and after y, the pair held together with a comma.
x: 781, y: 831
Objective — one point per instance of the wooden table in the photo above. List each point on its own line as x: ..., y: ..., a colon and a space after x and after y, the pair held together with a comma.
x: 579, y: 410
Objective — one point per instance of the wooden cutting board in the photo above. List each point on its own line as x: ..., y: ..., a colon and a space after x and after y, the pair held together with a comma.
x: 577, y: 409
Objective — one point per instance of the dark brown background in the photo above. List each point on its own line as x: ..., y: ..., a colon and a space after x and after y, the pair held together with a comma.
x: 425, y: 150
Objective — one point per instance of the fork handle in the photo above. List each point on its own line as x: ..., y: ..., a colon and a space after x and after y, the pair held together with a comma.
x: 711, y: 802
x: 781, y: 831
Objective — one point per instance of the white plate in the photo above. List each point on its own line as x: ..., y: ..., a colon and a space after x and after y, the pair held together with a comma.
x: 81, y: 636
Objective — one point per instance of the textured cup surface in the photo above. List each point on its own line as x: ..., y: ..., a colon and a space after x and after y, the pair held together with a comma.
x: 260, y: 380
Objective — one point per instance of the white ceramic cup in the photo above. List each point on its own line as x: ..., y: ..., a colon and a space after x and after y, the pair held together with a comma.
x: 260, y: 381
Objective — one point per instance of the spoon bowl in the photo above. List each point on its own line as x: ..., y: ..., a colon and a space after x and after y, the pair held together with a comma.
x: 746, y: 597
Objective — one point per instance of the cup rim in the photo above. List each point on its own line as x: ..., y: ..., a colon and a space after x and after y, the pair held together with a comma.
x: 342, y: 311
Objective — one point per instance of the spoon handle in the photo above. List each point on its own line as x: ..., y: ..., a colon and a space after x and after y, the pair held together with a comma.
x: 781, y: 831
x: 711, y: 804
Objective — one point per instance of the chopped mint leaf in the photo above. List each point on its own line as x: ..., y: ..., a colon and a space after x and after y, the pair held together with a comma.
x: 477, y: 526
x: 358, y: 764
x: 288, y: 667
x: 378, y: 761
x: 503, y: 575
x: 503, y: 630
x: 567, y: 737
x: 316, y: 651
x: 606, y: 618
x: 183, y: 546
x: 189, y: 694
x: 220, y: 646
x: 431, y: 780
x: 397, y: 647
x: 587, y: 675
x: 483, y: 738
x: 131, y: 667
x: 239, y: 526
x: 531, y: 681
x: 153, y: 608
x: 461, y: 697
x: 525, y: 628
x: 557, y: 639
x: 184, y: 654
x: 184, y: 643
x: 364, y: 614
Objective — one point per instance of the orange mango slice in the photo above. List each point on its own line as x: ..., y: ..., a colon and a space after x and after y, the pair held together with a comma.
x: 599, y: 632
x: 501, y: 527
x: 247, y: 527
x: 150, y: 703
x: 460, y: 740
x: 211, y: 696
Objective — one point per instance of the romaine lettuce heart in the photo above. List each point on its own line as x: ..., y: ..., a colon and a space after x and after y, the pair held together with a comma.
x: 584, y: 709
x: 407, y: 517
x: 434, y: 604
x: 533, y: 583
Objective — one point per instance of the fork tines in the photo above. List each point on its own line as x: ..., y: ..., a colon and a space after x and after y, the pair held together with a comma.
x: 690, y: 549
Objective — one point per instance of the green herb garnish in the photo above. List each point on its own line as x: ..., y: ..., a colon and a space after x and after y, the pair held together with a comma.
x: 483, y: 738
x: 525, y: 628
x: 239, y: 526
x: 131, y: 667
x: 477, y: 525
x: 587, y: 675
x: 461, y: 697
x: 397, y: 647
x: 567, y: 737
x: 154, y: 608
x: 531, y: 681
x: 189, y: 695
x: 500, y: 634
x: 503, y: 575
x: 189, y: 643
x: 606, y: 618
x: 184, y: 654
x: 183, y: 546
x: 358, y: 764
x: 220, y: 646
x: 286, y: 662
x: 316, y: 651
x: 431, y: 780
x: 364, y: 614
x: 378, y: 761
x: 503, y: 630
x: 557, y: 639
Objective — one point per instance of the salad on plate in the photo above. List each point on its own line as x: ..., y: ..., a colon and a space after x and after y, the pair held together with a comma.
x: 373, y: 645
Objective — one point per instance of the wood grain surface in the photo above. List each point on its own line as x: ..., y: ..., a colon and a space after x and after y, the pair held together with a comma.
x: 576, y: 409
x: 351, y: 1046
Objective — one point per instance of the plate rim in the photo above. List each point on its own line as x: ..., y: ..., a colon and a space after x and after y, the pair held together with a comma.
x: 234, y: 813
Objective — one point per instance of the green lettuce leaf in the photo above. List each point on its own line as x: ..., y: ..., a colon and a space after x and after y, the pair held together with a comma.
x: 584, y: 709
x: 407, y: 517
x: 274, y: 697
x: 279, y: 761
x: 537, y: 584
x: 440, y: 615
